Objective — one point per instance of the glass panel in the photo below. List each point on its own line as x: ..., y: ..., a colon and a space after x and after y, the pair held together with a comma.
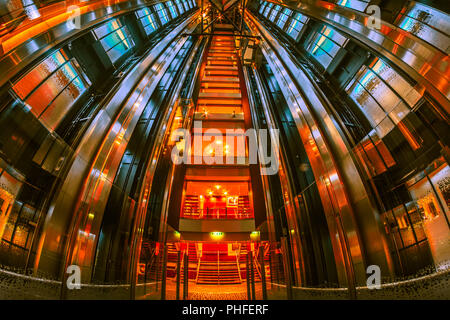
x: 404, y: 226
x: 441, y: 182
x: 47, y: 91
x: 267, y: 9
x: 430, y: 16
x: 321, y: 56
x: 106, y: 29
x: 283, y: 17
x: 382, y: 149
x: 428, y: 24
x: 393, y: 229
x: 359, y: 5
x: 112, y: 39
x: 179, y: 6
x: 399, y: 112
x: 373, y: 157
x: 148, y: 20
x: 274, y: 13
x: 416, y: 220
x: 162, y: 13
x: 173, y: 11
x: 379, y: 90
x: 116, y: 52
x: 326, y: 42
x: 296, y: 25
x: 32, y: 79
x: 262, y: 7
x: 9, y: 188
x: 362, y: 157
x: 397, y: 82
x: 117, y: 42
x: 426, y: 199
x: 430, y: 208
x: 62, y: 104
x: 384, y: 127
x: 367, y: 104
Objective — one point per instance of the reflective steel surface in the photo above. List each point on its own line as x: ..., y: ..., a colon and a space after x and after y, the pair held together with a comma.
x: 85, y: 190
x: 343, y: 194
x: 36, y: 39
x: 426, y: 64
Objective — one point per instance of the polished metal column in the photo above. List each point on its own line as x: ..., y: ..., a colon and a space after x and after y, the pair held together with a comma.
x: 178, y: 274
x: 247, y: 268
x: 252, y: 274
x: 286, y: 267
x: 263, y: 272
x: 186, y: 276
x: 164, y: 274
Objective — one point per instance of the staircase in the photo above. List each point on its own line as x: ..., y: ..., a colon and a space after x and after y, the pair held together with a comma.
x: 191, y: 207
x: 256, y: 266
x: 220, y: 85
x: 192, y: 264
x: 218, y: 268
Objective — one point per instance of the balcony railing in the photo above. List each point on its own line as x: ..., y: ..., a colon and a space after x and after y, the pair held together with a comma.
x: 217, y: 213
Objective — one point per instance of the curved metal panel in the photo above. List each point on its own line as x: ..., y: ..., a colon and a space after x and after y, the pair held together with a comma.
x: 20, y: 50
x: 329, y: 156
x: 79, y: 204
x: 423, y: 62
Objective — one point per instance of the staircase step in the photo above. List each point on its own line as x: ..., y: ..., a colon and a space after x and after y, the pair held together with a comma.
x: 222, y: 46
x: 220, y: 56
x: 225, y: 37
x: 224, y: 26
x: 220, y: 95
x: 222, y: 50
x: 221, y: 63
x: 220, y: 79
x: 219, y: 90
x: 225, y: 73
x: 227, y: 40
x: 227, y: 68
x: 210, y: 85
x: 218, y: 102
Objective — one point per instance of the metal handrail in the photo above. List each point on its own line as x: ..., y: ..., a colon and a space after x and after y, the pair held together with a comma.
x: 198, y: 269
x: 237, y: 262
x: 257, y: 265
x: 10, y: 20
x: 218, y: 213
x: 218, y: 266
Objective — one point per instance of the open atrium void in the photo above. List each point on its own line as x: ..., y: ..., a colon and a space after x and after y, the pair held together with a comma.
x: 224, y: 149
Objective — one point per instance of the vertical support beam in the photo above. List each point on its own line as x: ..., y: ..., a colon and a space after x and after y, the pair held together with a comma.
x: 157, y: 272
x: 201, y: 14
x: 287, y: 267
x: 247, y: 276
x: 271, y: 266
x: 164, y: 274
x: 186, y: 276
x: 211, y: 25
x: 263, y: 272
x: 242, y: 15
x: 351, y: 278
x: 178, y: 274
x: 252, y: 274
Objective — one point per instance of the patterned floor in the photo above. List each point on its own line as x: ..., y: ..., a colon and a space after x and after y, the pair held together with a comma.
x: 204, y: 292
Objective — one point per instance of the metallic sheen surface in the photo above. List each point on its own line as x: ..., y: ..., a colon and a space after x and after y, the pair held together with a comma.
x: 423, y: 62
x: 342, y: 192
